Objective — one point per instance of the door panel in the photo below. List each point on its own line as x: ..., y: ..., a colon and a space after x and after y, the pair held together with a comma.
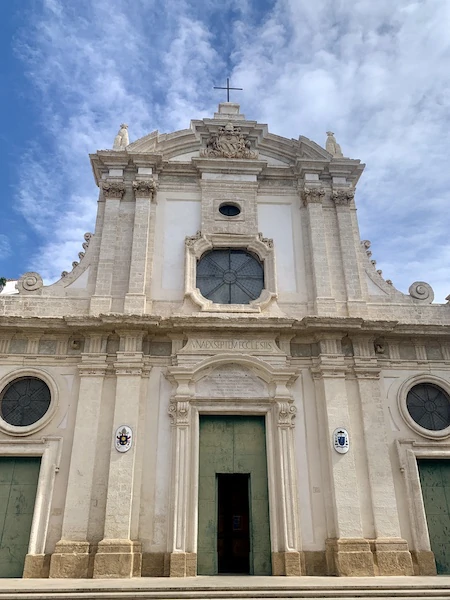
x: 435, y: 482
x: 233, y: 445
x: 18, y: 485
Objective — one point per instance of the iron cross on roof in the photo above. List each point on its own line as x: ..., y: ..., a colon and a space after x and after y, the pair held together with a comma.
x: 228, y: 88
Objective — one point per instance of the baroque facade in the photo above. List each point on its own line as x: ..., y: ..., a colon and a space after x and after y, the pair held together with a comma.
x: 224, y: 382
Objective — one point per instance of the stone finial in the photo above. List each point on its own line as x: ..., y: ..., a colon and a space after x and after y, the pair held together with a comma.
x: 121, y: 140
x: 332, y: 146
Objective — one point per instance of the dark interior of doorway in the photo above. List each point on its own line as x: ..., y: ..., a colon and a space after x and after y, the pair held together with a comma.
x: 233, y: 527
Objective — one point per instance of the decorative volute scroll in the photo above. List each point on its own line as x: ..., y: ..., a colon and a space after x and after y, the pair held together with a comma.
x: 193, y: 239
x: 229, y: 142
x: 268, y: 242
x: 29, y: 283
x: 422, y: 291
x: 332, y: 146
x: 179, y: 413
x: 313, y: 195
x: 121, y: 140
x: 112, y: 189
x: 286, y: 414
x: 145, y: 189
x: 343, y: 197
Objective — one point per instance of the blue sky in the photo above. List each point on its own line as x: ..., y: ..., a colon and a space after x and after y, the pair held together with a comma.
x: 375, y: 73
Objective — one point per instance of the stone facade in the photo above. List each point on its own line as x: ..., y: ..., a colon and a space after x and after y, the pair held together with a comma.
x: 126, y: 338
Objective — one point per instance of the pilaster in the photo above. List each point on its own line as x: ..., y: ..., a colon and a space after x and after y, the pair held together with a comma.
x: 182, y: 561
x: 112, y: 193
x: 288, y: 560
x: 343, y: 199
x: 72, y: 553
x: 348, y: 554
x: 391, y: 553
x: 118, y: 554
x: 135, y: 299
x: 323, y: 298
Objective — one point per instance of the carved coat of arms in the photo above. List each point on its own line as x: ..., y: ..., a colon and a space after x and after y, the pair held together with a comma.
x: 229, y: 142
x: 123, y: 438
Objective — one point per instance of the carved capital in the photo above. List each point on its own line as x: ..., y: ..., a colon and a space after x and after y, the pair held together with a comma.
x: 93, y: 370
x: 286, y: 414
x: 313, y: 195
x: 343, y: 197
x: 113, y: 189
x: 179, y: 413
x: 128, y: 370
x: 145, y: 189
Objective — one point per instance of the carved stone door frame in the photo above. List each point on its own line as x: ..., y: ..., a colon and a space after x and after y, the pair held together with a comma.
x: 185, y: 408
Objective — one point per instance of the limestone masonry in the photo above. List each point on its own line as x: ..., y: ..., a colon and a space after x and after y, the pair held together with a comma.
x: 170, y: 406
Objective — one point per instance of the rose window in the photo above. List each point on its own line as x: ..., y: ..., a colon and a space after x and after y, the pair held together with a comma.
x: 25, y: 401
x: 429, y: 406
x: 230, y: 276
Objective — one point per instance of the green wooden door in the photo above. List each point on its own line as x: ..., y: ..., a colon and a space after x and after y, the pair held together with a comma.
x: 233, y: 445
x: 18, y: 485
x: 435, y: 482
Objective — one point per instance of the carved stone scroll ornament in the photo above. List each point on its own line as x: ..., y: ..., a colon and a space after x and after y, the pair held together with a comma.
x: 191, y: 240
x: 229, y: 142
x: 113, y: 189
x: 268, y: 242
x: 313, y: 195
x: 179, y: 413
x: 422, y: 291
x: 29, y: 282
x: 343, y: 197
x: 286, y: 414
x: 144, y: 189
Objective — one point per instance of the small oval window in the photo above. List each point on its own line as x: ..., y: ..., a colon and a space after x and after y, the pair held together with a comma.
x: 229, y: 210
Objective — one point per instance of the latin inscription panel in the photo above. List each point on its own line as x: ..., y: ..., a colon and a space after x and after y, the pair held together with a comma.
x: 232, y: 381
x: 241, y: 345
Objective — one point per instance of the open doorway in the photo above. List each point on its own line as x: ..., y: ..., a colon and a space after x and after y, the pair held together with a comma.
x: 233, y: 523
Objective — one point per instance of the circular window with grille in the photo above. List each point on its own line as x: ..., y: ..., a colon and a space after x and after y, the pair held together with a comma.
x: 429, y: 406
x: 230, y: 276
x: 24, y: 401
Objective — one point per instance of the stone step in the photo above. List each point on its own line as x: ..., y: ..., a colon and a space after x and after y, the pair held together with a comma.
x: 228, y: 588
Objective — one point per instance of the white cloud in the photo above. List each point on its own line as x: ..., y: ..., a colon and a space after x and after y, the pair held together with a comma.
x: 5, y: 246
x: 376, y: 73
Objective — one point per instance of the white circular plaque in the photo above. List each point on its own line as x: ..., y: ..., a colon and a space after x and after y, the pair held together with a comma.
x: 341, y: 440
x: 123, y: 438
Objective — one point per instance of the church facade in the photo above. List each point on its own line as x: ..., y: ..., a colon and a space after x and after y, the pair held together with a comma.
x: 224, y: 382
